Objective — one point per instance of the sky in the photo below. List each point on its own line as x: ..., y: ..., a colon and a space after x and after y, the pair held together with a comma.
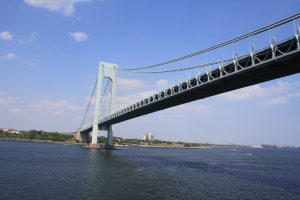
x: 50, y: 50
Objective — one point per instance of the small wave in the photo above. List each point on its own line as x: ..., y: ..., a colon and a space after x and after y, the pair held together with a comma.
x: 139, y: 170
x: 242, y: 154
x: 257, y: 146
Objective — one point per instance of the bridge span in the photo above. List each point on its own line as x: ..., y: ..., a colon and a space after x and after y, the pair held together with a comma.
x: 274, y: 61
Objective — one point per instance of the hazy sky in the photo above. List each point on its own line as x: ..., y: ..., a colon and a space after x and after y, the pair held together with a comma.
x: 49, y: 54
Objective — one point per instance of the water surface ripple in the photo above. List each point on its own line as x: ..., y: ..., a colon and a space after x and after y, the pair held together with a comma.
x: 32, y: 170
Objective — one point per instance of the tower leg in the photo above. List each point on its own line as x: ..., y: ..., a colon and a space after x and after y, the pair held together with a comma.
x: 109, y: 142
x: 94, y: 139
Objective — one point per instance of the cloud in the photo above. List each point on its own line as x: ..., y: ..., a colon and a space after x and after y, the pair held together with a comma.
x: 283, y: 99
x: 45, y: 104
x: 30, y: 63
x: 21, y: 41
x: 88, y: 98
x: 76, y: 20
x: 163, y: 83
x: 79, y: 36
x: 54, y: 107
x: 190, y: 108
x: 126, y: 100
x: 277, y: 100
x: 5, y: 35
x: 130, y: 83
x: 31, y: 38
x: 23, y: 61
x: 15, y: 111
x: 146, y: 94
x: 294, y: 94
x: 58, y: 112
x: 67, y: 7
x: 244, y: 93
x: 9, y: 56
x: 280, y: 93
x: 6, y: 100
x: 120, y: 101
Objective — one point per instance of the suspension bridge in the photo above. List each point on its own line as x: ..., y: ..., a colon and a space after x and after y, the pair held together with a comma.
x: 120, y: 94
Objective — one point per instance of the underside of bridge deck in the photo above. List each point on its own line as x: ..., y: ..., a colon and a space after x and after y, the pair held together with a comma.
x: 266, y: 71
x: 275, y: 61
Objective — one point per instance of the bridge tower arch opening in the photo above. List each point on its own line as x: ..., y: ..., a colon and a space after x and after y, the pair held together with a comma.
x: 106, y: 70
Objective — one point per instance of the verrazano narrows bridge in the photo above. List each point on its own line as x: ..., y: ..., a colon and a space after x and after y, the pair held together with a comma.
x: 257, y: 56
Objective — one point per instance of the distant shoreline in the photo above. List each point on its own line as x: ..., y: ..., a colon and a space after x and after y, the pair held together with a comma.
x: 156, y: 146
x: 142, y: 146
x: 73, y: 142
x: 35, y: 140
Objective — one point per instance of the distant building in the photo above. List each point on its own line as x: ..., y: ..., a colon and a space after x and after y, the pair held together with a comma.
x: 148, y: 136
x: 10, y: 130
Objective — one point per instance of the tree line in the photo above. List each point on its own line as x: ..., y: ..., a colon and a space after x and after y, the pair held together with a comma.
x: 37, y: 135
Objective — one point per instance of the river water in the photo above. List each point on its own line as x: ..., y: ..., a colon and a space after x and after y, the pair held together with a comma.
x: 41, y: 171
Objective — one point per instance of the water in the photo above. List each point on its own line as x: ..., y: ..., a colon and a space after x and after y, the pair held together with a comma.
x: 31, y: 170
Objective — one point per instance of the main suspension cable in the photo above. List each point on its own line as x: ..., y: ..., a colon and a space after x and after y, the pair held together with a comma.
x: 249, y: 34
x: 191, y: 67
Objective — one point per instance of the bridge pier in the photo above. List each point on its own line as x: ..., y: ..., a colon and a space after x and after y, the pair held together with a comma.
x: 77, y: 136
x: 109, y: 142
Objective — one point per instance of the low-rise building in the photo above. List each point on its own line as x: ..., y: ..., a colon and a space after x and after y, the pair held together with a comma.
x: 10, y: 130
x: 148, y: 136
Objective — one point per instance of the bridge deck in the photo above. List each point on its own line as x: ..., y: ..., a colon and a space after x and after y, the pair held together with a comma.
x: 276, y: 61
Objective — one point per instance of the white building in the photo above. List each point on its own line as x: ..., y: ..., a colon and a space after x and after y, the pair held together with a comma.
x: 148, y: 136
x: 10, y: 130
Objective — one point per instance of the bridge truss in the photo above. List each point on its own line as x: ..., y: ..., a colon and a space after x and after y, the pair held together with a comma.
x: 256, y: 57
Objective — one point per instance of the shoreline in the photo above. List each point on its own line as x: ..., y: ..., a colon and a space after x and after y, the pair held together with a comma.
x: 136, y: 145
x: 35, y: 140
x: 83, y: 144
x: 155, y: 146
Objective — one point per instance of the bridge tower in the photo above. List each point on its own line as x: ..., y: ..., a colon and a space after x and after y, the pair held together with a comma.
x: 106, y: 70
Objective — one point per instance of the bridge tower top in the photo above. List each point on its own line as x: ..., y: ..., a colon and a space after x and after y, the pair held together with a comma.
x: 107, y: 70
